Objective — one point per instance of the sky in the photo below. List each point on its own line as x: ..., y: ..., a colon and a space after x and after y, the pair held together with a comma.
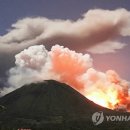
x: 12, y: 11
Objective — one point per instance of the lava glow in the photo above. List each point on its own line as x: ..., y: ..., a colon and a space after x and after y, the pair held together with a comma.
x: 108, y: 99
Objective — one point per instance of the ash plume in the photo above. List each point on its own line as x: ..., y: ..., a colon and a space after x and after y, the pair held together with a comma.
x: 75, y: 69
x: 95, y: 31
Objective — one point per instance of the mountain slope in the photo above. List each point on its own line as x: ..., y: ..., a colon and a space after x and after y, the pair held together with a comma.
x: 49, y: 98
x: 48, y: 104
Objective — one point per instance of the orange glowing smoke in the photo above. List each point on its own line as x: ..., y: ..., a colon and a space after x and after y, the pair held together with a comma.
x: 69, y: 65
x: 106, y: 89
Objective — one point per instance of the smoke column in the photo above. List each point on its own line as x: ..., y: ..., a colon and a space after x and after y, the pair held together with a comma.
x: 75, y: 69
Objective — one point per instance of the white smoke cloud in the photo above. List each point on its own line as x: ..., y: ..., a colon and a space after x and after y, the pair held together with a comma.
x: 32, y: 65
x: 97, y: 28
x: 34, y: 57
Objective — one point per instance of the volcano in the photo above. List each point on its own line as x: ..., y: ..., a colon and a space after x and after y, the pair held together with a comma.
x: 48, y: 105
